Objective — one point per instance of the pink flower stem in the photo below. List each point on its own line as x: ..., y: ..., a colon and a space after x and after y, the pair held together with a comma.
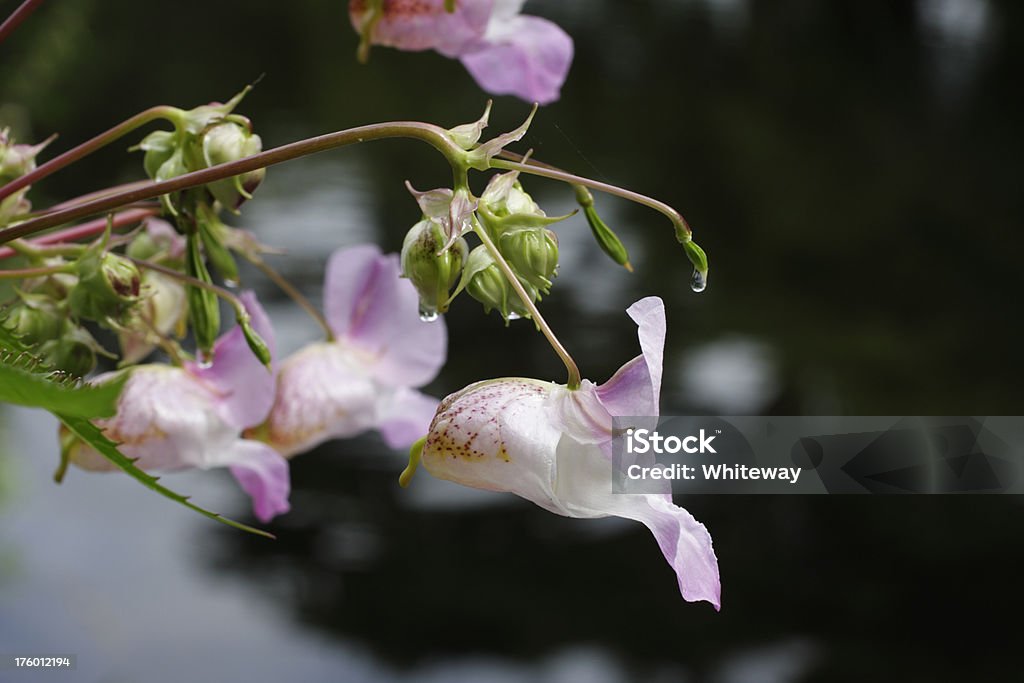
x: 432, y: 135
x: 88, y: 147
x: 84, y: 230
x: 17, y: 16
x: 537, y: 168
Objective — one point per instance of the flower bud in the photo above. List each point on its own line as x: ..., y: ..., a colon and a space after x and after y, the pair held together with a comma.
x: 432, y: 274
x: 533, y: 255
x: 73, y: 350
x: 226, y: 142
x: 606, y: 237
x: 108, y: 285
x: 699, y: 259
x: 35, y: 318
x: 161, y: 311
x: 488, y: 285
x: 17, y: 160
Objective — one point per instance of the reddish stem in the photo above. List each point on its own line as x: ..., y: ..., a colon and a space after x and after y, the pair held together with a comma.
x: 84, y: 230
x: 19, y: 15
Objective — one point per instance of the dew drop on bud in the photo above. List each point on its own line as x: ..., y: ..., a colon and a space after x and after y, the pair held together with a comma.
x: 231, y: 284
x: 699, y: 281
x: 428, y: 314
x: 512, y: 315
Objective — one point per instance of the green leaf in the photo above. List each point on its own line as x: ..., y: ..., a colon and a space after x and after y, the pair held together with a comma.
x: 27, y: 381
x: 91, y: 434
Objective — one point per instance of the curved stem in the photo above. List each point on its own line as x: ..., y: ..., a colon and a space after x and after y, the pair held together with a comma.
x: 17, y: 16
x: 539, y: 169
x: 88, y: 229
x: 86, y: 148
x: 293, y: 293
x: 431, y: 134
x: 570, y: 365
x: 235, y: 302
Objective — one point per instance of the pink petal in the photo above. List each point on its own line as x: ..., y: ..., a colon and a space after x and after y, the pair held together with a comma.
x: 370, y: 306
x: 525, y: 56
x: 323, y: 392
x: 636, y: 388
x: 584, y: 486
x: 405, y: 417
x: 424, y: 24
x: 262, y: 473
x: 244, y: 387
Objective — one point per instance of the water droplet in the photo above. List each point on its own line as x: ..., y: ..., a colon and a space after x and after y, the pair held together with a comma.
x: 231, y: 284
x: 513, y: 316
x: 428, y: 314
x: 699, y: 281
x: 205, y: 361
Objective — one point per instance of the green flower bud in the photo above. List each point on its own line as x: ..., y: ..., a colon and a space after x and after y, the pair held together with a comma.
x: 487, y: 284
x: 533, y: 255
x: 161, y: 311
x: 17, y: 160
x: 35, y: 318
x: 204, y: 312
x: 73, y: 350
x: 256, y: 344
x: 432, y: 274
x: 699, y: 259
x: 226, y: 142
x: 108, y: 286
x: 607, y: 239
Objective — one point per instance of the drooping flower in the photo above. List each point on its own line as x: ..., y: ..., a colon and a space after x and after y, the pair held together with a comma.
x: 174, y: 418
x: 552, y: 446
x: 506, y: 52
x: 364, y: 378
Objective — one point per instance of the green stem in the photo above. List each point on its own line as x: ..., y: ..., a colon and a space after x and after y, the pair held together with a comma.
x: 36, y: 272
x: 17, y: 16
x: 431, y: 134
x: 536, y: 168
x: 87, y: 148
x: 570, y: 365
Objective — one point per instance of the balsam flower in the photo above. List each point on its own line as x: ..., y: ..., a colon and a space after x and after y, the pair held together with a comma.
x: 552, y: 446
x: 172, y: 418
x: 506, y: 52
x: 364, y: 378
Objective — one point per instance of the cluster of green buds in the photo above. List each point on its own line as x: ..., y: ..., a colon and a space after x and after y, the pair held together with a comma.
x: 16, y: 161
x: 203, y: 137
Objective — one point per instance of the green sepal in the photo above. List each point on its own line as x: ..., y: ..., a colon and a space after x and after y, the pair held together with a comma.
x: 91, y: 435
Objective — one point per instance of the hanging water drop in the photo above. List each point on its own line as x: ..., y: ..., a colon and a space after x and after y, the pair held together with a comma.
x: 205, y: 360
x: 699, y: 281
x: 428, y: 314
x: 513, y: 316
x: 231, y: 284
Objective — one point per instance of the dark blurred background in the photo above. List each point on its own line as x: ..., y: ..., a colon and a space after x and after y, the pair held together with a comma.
x: 853, y: 170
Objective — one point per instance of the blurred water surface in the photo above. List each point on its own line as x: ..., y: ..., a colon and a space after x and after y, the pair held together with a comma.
x: 852, y: 169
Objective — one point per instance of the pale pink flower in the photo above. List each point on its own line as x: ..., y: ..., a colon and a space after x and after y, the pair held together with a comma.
x: 508, y: 53
x: 174, y: 418
x: 364, y: 378
x: 552, y: 446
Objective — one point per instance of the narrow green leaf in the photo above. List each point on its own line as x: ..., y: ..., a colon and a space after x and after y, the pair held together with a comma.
x: 27, y: 381
x: 91, y: 434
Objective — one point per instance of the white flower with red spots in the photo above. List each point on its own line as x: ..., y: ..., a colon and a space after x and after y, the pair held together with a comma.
x: 552, y: 445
